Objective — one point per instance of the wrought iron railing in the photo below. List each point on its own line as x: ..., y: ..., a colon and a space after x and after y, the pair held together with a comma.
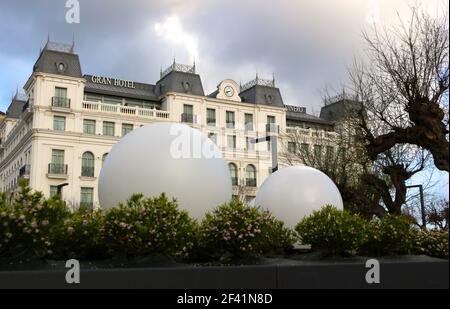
x: 25, y: 170
x: 61, y: 102
x: 189, y: 118
x: 260, y: 82
x: 178, y: 68
x: 87, y: 171
x: 250, y: 182
x: 57, y: 169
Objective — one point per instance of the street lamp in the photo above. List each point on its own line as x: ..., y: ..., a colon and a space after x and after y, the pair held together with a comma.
x: 59, y: 189
x: 422, y: 204
x: 272, y: 137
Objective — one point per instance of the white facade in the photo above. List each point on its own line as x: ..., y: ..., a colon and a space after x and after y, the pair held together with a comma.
x: 46, y: 132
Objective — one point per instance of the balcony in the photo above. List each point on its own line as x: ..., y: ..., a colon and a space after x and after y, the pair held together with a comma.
x: 272, y: 128
x: 231, y: 125
x: 187, y: 118
x: 61, y: 102
x: 57, y: 170
x: 87, y: 171
x: 250, y: 182
x: 150, y: 113
x: 211, y: 122
x: 24, y: 171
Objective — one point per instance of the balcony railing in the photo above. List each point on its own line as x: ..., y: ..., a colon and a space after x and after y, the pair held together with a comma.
x: 87, y: 205
x: 250, y: 182
x: 87, y: 171
x: 57, y: 169
x: 189, y: 118
x: 125, y: 110
x: 273, y: 128
x: 61, y: 102
x: 230, y: 124
x: 25, y: 171
x: 211, y: 122
x: 311, y: 132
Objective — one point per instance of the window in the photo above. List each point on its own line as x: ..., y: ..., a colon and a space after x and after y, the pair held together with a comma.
x: 304, y: 148
x: 53, y: 191
x: 187, y: 115
x: 60, y: 98
x: 249, y: 145
x: 213, y: 136
x: 292, y: 147
x: 329, y: 152
x: 87, y: 164
x: 271, y: 125
x: 230, y: 120
x: 231, y: 141
x: 108, y: 128
x: 318, y: 153
x: 57, y: 165
x: 87, y: 197
x: 126, y: 128
x: 248, y: 122
x: 250, y: 176
x: 88, y: 126
x: 104, y: 158
x: 233, y: 173
x: 59, y: 123
x: 211, y: 117
x: 60, y: 92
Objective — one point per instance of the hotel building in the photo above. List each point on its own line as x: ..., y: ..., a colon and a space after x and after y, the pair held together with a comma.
x: 63, y: 126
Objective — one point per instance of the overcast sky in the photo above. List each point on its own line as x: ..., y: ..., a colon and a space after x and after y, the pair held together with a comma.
x: 307, y: 44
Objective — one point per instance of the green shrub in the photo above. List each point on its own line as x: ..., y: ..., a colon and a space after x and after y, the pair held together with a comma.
x: 433, y: 243
x: 236, y: 231
x: 31, y: 224
x: 389, y: 235
x: 149, y: 226
x: 83, y: 236
x: 332, y: 231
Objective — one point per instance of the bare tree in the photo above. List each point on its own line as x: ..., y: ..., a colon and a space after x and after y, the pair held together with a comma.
x: 437, y: 214
x: 404, y: 90
x: 367, y: 186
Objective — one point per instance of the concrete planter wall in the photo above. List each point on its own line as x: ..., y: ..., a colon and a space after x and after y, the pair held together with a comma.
x: 412, y: 273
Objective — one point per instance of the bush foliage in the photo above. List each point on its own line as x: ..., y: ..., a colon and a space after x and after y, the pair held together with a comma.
x: 32, y: 226
x: 239, y: 231
x: 389, y: 235
x: 332, y: 231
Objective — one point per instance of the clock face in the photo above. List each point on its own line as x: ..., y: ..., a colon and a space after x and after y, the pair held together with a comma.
x: 229, y: 91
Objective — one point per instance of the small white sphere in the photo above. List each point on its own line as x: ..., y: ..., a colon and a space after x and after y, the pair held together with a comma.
x: 294, y: 192
x: 166, y: 157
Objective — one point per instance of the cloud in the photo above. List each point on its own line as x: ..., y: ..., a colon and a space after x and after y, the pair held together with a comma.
x: 171, y: 31
x: 307, y: 44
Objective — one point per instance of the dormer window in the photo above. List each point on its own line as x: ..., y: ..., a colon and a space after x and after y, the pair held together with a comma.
x: 61, y: 66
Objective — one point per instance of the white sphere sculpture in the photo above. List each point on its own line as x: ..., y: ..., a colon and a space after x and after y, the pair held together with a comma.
x: 166, y: 157
x: 294, y: 192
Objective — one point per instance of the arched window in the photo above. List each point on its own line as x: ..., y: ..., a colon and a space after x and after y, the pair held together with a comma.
x: 233, y: 173
x: 104, y: 157
x: 250, y: 176
x: 87, y: 164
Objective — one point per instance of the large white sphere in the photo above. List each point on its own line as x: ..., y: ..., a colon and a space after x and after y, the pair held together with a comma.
x: 294, y: 192
x: 166, y: 157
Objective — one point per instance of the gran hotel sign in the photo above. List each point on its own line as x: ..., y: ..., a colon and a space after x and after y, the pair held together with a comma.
x: 112, y: 82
